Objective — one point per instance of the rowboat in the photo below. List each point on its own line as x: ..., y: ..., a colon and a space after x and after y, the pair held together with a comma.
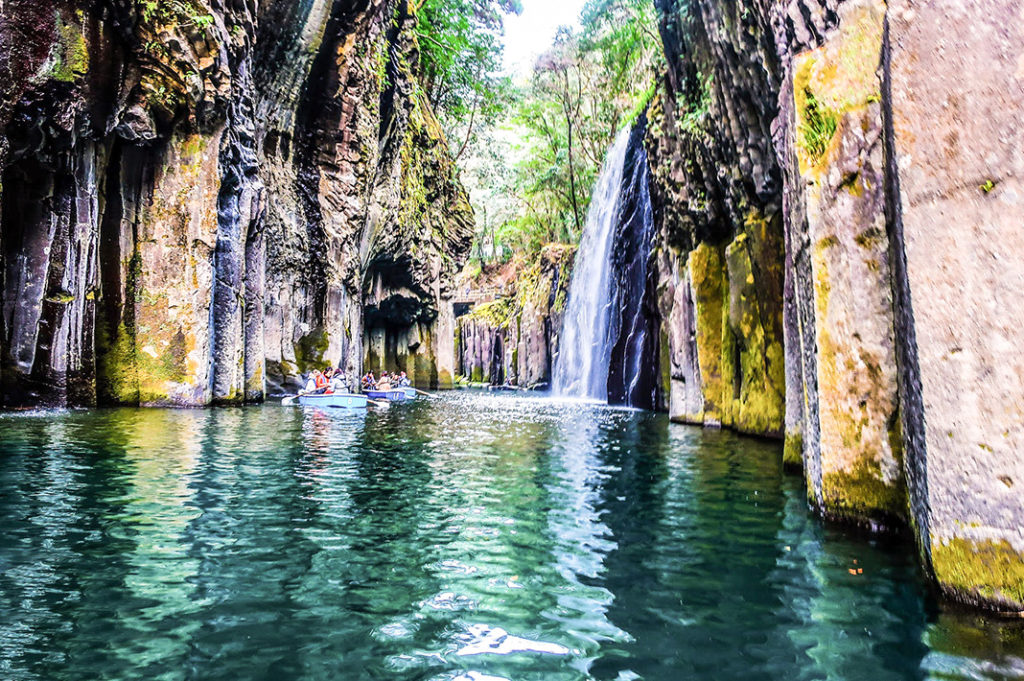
x: 409, y: 392
x: 334, y: 401
x: 395, y: 395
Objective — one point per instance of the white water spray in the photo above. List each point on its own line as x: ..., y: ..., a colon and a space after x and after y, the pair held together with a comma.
x: 581, y: 369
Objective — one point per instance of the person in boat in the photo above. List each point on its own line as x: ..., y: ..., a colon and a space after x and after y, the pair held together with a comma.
x: 384, y: 384
x: 339, y: 382
x: 317, y: 383
x: 403, y: 381
x: 369, y: 382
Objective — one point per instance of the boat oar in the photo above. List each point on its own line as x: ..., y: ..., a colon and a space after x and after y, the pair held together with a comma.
x: 288, y: 400
x: 377, y: 403
x: 424, y: 392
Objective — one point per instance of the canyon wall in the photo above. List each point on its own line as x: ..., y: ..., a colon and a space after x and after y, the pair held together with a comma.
x: 838, y: 191
x: 513, y: 340
x: 199, y: 198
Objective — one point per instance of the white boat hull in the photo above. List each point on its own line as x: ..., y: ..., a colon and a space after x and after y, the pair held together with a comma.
x: 335, y: 401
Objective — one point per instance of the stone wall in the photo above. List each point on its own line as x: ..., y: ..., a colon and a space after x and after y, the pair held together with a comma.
x: 837, y: 185
x: 198, y: 197
x: 513, y: 341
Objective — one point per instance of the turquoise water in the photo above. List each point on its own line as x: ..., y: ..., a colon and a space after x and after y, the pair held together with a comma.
x: 471, y: 537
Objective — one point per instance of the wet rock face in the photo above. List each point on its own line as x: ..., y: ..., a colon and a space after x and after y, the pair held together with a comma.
x: 635, y: 359
x: 837, y: 208
x: 717, y: 194
x: 514, y: 341
x: 196, y: 197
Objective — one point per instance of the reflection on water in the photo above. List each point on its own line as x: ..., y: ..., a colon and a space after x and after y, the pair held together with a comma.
x: 476, y: 538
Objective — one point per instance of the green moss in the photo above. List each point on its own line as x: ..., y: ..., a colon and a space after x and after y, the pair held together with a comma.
x: 444, y: 380
x: 730, y: 404
x: 158, y: 367
x: 861, y: 493
x: 61, y: 298
x: 495, y: 314
x: 425, y: 368
x: 71, y: 56
x: 988, y: 570
x: 476, y: 375
x: 665, y: 363
x: 708, y: 278
x: 758, y: 356
x: 117, y: 376
x: 894, y: 431
x: 793, y: 449
x: 310, y: 351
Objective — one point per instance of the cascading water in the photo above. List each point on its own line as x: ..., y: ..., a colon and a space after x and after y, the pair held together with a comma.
x: 609, y: 345
x: 634, y: 362
x: 581, y: 369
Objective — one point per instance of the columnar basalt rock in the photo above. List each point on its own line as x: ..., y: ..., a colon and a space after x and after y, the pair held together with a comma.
x: 717, y: 202
x: 514, y: 341
x: 955, y: 94
x: 837, y: 191
x: 194, y: 196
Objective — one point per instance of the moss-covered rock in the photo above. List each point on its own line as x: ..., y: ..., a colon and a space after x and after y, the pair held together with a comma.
x: 986, y: 572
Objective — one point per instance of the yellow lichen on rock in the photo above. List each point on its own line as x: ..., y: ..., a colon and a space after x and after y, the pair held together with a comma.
x: 989, y: 571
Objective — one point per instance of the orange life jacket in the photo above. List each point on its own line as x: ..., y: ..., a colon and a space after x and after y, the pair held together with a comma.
x: 321, y: 381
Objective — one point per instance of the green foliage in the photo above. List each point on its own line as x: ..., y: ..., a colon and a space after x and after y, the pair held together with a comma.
x: 182, y: 13
x: 642, y: 103
x: 696, y: 109
x: 541, y: 160
x: 461, y: 62
x: 817, y: 127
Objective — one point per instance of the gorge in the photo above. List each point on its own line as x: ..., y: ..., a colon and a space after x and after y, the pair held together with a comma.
x: 201, y: 202
x: 811, y: 234
x: 821, y: 174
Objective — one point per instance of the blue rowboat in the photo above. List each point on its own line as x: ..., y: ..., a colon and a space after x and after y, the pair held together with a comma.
x: 396, y: 395
x: 334, y: 401
x: 409, y: 392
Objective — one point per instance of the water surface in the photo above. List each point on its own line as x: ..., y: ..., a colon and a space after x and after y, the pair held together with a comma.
x: 472, y: 537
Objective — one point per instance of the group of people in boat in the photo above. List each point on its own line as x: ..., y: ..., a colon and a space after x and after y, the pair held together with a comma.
x: 331, y: 381
x: 326, y: 382
x: 385, y: 382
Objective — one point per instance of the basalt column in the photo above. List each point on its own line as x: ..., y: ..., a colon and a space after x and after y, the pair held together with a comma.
x: 193, y: 195
x: 716, y: 189
x: 956, y: 92
x: 416, y: 234
x: 854, y: 459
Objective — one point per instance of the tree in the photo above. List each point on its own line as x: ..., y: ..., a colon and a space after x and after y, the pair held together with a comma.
x: 461, y: 63
x: 581, y: 92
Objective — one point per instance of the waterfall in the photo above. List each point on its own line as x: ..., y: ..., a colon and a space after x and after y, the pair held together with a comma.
x: 581, y: 369
x: 609, y: 344
x: 634, y: 366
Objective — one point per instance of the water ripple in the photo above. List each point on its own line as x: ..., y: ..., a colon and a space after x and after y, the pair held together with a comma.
x: 468, y: 538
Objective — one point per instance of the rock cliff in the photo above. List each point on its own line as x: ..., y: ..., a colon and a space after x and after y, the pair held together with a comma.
x: 837, y: 186
x: 513, y: 341
x: 202, y: 199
